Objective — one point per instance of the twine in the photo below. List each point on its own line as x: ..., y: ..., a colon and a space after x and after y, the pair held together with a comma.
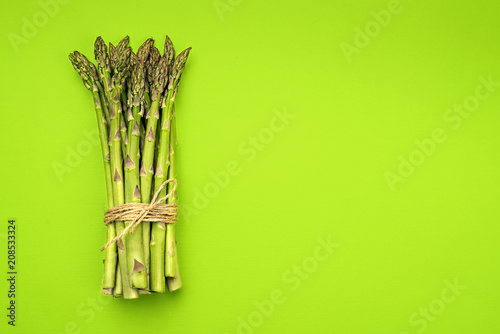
x: 139, y: 212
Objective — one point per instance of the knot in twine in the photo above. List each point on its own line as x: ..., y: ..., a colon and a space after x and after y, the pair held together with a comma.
x: 139, y: 212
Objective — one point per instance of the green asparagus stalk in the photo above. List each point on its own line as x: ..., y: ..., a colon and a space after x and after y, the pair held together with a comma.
x: 103, y: 66
x: 134, y: 247
x: 118, y: 289
x: 170, y: 247
x: 174, y: 281
x: 90, y: 78
x: 150, y: 65
x: 157, y: 281
x: 118, y: 62
x: 173, y: 86
x: 143, y: 55
x: 158, y: 229
x: 104, y: 72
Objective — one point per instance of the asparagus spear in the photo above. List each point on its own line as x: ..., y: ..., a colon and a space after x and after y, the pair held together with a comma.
x: 118, y: 289
x: 175, y: 283
x: 103, y: 66
x: 158, y: 230
x: 104, y: 71
x: 122, y: 50
x: 151, y: 64
x: 173, y: 86
x: 117, y: 63
x: 90, y: 78
x: 157, y: 281
x: 155, y: 83
x: 134, y: 248
x: 173, y: 280
x: 143, y: 55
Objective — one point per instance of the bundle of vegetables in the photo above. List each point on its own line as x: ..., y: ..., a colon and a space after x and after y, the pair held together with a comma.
x: 134, y: 96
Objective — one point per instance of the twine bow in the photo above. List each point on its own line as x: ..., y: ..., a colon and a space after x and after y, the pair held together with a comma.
x: 139, y: 212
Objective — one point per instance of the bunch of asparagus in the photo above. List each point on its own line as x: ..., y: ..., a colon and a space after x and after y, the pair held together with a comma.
x: 134, y: 96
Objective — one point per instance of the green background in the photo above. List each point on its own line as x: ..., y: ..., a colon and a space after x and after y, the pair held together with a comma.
x: 323, y: 175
